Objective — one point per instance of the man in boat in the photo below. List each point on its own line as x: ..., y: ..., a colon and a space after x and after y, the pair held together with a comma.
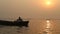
x: 19, y: 19
x: 21, y: 23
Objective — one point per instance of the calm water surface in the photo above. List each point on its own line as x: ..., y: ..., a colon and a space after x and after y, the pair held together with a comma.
x: 35, y: 27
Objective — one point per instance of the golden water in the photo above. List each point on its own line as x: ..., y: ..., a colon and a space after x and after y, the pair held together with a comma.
x: 35, y: 27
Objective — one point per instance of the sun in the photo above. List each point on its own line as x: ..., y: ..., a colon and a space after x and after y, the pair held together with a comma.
x: 48, y: 3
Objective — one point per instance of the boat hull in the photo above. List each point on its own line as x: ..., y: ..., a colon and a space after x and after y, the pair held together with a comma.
x: 12, y: 23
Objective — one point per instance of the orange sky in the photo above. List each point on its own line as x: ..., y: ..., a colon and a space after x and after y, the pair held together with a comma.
x: 29, y: 9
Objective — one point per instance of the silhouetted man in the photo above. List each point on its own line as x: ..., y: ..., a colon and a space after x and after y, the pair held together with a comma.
x: 19, y: 19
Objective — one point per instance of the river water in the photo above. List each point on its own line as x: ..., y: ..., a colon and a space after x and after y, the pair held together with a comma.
x: 35, y: 27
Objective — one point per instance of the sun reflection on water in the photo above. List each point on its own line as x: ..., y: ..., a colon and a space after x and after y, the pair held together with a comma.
x: 47, y: 28
x: 48, y: 24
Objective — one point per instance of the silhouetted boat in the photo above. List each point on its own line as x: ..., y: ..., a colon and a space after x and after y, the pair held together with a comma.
x: 18, y: 22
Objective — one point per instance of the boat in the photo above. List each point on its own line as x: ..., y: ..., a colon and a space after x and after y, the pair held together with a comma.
x: 19, y: 22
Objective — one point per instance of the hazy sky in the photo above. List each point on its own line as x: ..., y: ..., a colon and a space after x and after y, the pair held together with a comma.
x: 29, y: 9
